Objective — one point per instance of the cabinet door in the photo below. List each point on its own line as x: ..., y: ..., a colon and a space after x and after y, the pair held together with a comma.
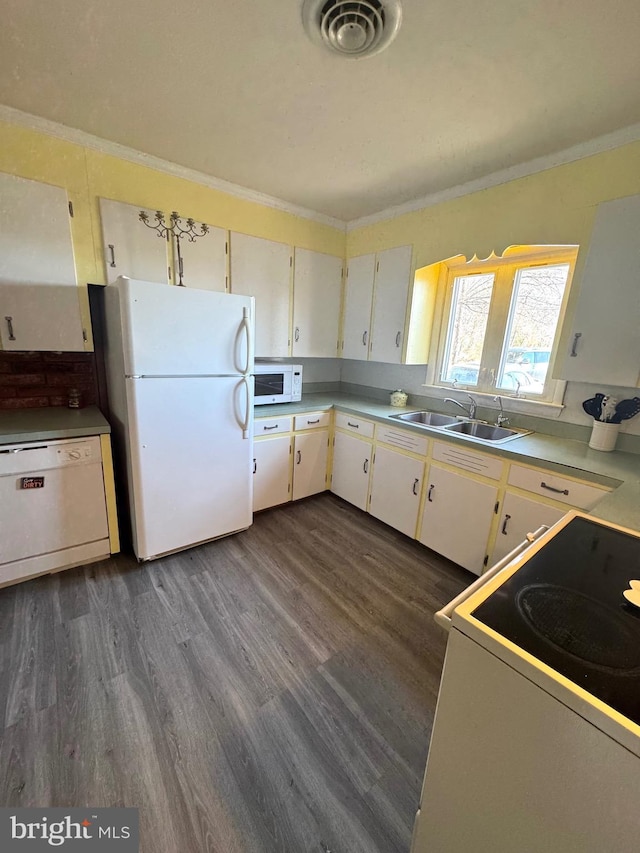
x: 351, y: 466
x: 262, y: 268
x: 393, y: 271
x: 35, y: 233
x: 317, y: 286
x: 520, y: 516
x: 604, y: 344
x: 271, y: 463
x: 203, y: 260
x: 395, y: 489
x: 130, y: 247
x: 457, y: 517
x: 357, y: 308
x: 310, y: 463
x: 39, y: 307
x: 42, y: 317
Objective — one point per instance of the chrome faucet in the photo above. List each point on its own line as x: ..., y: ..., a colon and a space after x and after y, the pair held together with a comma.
x: 502, y: 418
x: 471, y: 411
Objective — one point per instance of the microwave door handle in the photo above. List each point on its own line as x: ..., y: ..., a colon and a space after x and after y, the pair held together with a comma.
x: 443, y: 617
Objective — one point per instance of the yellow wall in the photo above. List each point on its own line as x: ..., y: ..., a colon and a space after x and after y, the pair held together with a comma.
x: 556, y: 206
x: 88, y: 175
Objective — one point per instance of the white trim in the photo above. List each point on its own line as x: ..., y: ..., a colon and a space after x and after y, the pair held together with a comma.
x: 104, y: 146
x: 540, y: 164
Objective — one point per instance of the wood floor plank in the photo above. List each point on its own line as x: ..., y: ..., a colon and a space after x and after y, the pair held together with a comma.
x: 271, y: 692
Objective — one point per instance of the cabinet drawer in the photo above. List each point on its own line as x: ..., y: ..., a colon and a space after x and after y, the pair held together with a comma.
x: 559, y: 488
x: 402, y: 438
x: 351, y: 423
x: 271, y: 426
x: 312, y: 421
x: 477, y: 463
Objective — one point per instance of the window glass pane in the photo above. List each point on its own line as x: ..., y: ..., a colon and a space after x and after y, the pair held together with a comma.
x: 533, y: 319
x: 467, y: 328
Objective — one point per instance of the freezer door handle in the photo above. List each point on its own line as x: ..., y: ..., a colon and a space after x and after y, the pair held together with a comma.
x: 246, y: 328
x: 443, y: 617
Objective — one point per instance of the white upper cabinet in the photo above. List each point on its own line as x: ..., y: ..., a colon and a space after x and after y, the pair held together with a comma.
x: 130, y: 247
x: 357, y: 308
x: 376, y: 294
x: 262, y: 268
x: 317, y: 287
x: 393, y: 271
x: 203, y: 260
x: 604, y: 343
x: 39, y: 307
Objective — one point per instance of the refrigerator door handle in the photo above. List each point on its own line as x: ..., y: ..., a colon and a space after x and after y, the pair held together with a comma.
x: 246, y: 327
x: 247, y: 415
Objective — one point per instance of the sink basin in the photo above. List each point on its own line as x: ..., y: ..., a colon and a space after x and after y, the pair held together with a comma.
x: 485, y: 432
x: 426, y: 418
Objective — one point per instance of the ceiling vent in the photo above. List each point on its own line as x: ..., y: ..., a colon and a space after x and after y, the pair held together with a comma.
x: 353, y: 30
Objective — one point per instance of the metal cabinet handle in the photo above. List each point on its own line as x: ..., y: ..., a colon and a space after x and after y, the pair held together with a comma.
x: 430, y: 492
x: 299, y: 455
x: 415, y: 483
x: 365, y: 336
x: 9, y: 320
x: 398, y: 336
x: 112, y: 252
x: 355, y: 426
x: 296, y: 334
x: 504, y: 523
x: 574, y: 346
x: 317, y: 421
x: 365, y: 467
x: 275, y: 426
x: 255, y: 465
x: 551, y: 489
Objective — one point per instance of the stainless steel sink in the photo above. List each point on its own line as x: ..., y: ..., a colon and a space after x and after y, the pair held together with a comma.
x: 432, y: 419
x: 485, y: 432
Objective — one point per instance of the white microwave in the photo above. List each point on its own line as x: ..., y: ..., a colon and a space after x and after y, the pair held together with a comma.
x: 277, y: 383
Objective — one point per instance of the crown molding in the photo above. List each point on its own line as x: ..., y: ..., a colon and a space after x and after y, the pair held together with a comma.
x: 568, y: 155
x: 10, y: 115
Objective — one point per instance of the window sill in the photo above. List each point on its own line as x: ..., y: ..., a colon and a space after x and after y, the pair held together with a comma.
x: 517, y: 405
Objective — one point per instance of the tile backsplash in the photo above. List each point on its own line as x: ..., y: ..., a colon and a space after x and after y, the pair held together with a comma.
x: 30, y: 380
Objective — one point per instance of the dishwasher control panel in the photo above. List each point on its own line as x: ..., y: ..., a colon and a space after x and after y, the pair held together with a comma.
x: 75, y: 452
x: 43, y: 456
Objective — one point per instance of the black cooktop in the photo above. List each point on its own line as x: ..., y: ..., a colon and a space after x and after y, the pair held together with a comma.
x: 565, y: 607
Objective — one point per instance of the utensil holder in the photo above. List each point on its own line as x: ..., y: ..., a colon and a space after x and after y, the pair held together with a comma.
x: 604, y: 435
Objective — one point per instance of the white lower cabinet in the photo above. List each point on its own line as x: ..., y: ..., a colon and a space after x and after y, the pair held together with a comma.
x: 351, y: 467
x: 457, y: 517
x: 395, y: 489
x: 310, y: 463
x: 271, y: 465
x: 520, y: 516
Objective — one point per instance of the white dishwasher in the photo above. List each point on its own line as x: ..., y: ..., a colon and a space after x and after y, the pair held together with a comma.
x: 53, y: 512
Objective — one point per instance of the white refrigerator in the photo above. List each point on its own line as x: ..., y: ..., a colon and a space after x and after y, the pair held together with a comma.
x: 179, y: 366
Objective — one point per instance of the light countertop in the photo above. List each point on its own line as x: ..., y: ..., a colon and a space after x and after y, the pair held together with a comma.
x: 51, y: 422
x: 618, y: 470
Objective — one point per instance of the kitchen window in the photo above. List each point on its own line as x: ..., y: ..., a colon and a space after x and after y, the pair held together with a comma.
x: 502, y: 319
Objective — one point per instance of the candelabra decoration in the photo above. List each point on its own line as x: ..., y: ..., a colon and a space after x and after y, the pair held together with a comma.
x: 177, y: 229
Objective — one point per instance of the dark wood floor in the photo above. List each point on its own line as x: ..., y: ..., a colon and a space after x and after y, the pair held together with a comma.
x: 273, y: 691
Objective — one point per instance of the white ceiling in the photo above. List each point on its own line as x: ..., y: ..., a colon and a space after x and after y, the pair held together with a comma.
x: 236, y: 90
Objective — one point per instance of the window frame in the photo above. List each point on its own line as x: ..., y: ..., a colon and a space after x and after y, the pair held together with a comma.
x: 505, y: 269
